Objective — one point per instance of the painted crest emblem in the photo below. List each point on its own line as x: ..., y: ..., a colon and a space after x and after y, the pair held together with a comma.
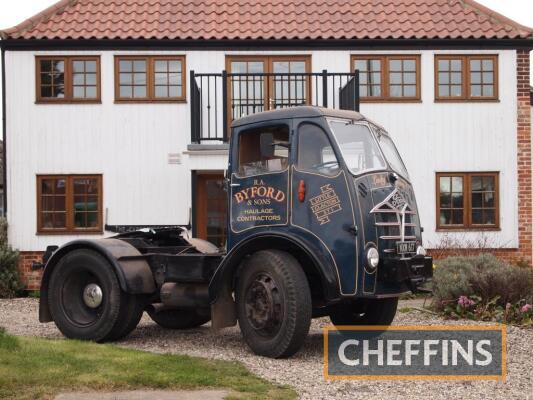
x: 325, y: 204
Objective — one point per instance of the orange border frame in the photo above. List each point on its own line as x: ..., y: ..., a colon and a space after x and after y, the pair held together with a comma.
x: 500, y: 327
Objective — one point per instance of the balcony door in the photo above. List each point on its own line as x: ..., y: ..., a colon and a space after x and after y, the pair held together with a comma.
x: 210, y: 204
x: 266, y: 83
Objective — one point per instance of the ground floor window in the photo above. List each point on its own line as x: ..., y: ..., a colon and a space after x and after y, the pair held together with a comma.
x: 210, y: 204
x: 468, y: 200
x: 69, y: 203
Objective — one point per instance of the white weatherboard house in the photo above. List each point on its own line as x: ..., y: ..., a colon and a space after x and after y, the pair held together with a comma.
x: 117, y: 111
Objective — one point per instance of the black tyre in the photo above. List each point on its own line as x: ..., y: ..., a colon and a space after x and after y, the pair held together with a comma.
x: 371, y: 312
x: 132, y: 307
x: 85, y: 298
x: 180, y: 318
x: 273, y: 304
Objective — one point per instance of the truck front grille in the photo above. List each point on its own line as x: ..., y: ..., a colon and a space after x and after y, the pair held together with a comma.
x: 394, y: 221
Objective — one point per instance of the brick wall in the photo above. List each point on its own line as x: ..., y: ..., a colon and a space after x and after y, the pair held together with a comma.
x: 525, y: 205
x: 31, y: 279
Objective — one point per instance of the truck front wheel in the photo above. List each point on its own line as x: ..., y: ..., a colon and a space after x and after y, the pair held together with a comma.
x: 371, y: 312
x: 86, y: 301
x: 273, y: 304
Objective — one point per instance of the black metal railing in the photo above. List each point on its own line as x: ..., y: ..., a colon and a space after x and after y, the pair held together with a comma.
x: 218, y: 98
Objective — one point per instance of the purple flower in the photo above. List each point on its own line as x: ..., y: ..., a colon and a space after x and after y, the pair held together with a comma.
x: 465, y: 302
x: 526, y: 307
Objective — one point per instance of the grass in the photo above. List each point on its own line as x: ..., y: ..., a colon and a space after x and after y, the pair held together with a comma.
x: 33, y: 368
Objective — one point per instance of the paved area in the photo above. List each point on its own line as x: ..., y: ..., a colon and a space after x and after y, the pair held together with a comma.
x: 146, y: 395
x: 304, y: 371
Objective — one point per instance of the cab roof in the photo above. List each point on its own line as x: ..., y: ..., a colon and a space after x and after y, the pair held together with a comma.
x: 297, y: 112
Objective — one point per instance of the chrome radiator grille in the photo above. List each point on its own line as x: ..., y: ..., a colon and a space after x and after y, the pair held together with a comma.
x: 394, y: 221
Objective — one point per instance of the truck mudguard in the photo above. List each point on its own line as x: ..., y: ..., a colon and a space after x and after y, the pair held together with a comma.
x: 322, y: 264
x: 134, y: 275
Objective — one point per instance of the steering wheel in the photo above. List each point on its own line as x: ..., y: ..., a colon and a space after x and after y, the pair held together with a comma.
x: 326, y: 164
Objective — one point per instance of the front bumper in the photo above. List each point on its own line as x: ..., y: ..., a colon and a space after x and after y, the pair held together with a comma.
x: 413, y: 271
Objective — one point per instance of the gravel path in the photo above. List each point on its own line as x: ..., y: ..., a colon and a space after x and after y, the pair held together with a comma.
x: 304, y: 371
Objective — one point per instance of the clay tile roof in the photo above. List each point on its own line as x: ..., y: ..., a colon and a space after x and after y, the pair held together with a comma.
x: 268, y: 19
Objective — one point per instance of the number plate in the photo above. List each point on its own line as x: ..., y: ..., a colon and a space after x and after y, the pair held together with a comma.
x: 405, y: 247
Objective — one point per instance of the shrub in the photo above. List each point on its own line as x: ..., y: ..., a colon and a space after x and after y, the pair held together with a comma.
x: 483, y: 287
x: 9, y: 276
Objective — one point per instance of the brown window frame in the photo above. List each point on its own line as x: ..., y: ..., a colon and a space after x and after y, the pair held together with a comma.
x: 465, y: 78
x: 69, y: 205
x: 68, y: 80
x: 150, y: 79
x: 467, y: 206
x: 385, y: 75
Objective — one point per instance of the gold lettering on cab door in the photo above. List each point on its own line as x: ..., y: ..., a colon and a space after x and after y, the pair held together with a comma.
x: 325, y: 204
x: 260, y: 203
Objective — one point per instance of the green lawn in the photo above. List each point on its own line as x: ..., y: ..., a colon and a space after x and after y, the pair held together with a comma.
x: 33, y: 368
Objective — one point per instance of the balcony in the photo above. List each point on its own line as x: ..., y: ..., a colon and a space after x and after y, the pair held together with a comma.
x: 219, y: 98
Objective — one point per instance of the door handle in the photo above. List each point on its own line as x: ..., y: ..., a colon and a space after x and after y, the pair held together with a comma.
x: 352, y: 229
x: 235, y: 184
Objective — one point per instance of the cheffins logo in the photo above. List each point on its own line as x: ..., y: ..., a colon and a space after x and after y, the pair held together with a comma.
x: 325, y: 204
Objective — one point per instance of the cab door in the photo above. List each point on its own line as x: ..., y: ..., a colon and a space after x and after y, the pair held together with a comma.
x: 259, y: 182
x: 321, y: 203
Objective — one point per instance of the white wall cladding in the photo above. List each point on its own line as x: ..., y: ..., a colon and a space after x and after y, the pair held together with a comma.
x: 130, y: 143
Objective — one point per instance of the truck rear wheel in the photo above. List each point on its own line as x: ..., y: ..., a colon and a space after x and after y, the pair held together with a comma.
x: 273, y: 304
x: 373, y: 312
x: 86, y: 301
x: 179, y: 318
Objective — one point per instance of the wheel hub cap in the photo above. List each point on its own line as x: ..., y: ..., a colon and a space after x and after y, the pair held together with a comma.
x: 92, y: 295
x: 263, y: 305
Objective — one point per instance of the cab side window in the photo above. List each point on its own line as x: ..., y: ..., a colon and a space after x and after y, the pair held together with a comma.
x: 315, y: 153
x: 252, y: 162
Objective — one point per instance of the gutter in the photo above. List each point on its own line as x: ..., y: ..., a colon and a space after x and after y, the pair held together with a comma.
x: 4, y: 126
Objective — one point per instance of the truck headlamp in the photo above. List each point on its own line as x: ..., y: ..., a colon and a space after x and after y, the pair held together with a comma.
x: 372, y: 257
x: 420, y: 251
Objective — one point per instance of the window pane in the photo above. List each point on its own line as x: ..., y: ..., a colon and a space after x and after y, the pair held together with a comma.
x: 456, y: 90
x: 395, y: 65
x: 456, y: 65
x: 174, y: 66
x: 78, y: 79
x: 444, y: 90
x: 475, y: 77
x: 409, y: 65
x: 395, y: 78
x: 125, y: 66
x: 58, y: 91
x: 139, y: 79
x: 375, y: 77
x: 477, y: 216
x: 90, y: 79
x: 90, y: 92
x: 488, y: 183
x: 174, y: 91
x: 457, y: 184
x: 174, y: 78
x: 444, y: 77
x: 161, y: 78
x: 457, y: 200
x: 477, y: 199
x: 489, y: 217
x: 456, y: 77
x: 487, y: 77
x: 488, y: 91
x: 395, y: 91
x: 475, y: 90
x: 409, y: 78
x: 139, y: 65
x: 161, y: 91
x: 445, y: 217
x: 445, y: 184
x: 160, y: 66
x: 46, y: 91
x: 409, y: 91
x: 126, y: 79
x: 445, y: 200
x: 78, y: 92
x: 457, y: 217
x: 60, y: 220
x: 90, y: 66
x: 78, y: 66
x: 444, y: 65
x: 487, y: 65
x: 126, y: 91
x: 58, y: 66
x: 488, y: 199
x: 475, y: 65
x: 139, y: 91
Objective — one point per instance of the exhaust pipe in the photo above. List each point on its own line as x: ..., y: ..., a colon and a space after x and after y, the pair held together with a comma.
x: 184, y: 295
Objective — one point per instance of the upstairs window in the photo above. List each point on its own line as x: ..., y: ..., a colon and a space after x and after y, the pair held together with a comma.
x: 150, y: 78
x: 468, y: 200
x: 69, y: 203
x: 466, y: 77
x: 68, y: 79
x: 388, y: 77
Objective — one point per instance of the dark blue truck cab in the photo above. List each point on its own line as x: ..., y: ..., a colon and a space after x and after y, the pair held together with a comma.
x: 322, y: 221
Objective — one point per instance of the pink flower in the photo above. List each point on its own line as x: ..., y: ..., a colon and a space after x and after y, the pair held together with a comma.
x: 526, y: 307
x: 465, y: 302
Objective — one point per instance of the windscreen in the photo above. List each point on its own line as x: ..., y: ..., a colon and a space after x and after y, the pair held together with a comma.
x: 358, y: 146
x: 391, y: 153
